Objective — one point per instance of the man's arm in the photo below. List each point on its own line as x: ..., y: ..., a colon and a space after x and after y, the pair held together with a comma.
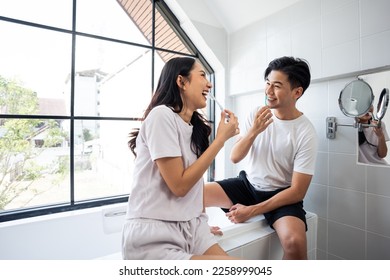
x: 262, y: 120
x: 299, y: 185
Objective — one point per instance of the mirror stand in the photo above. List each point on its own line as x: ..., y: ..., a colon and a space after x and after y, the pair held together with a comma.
x: 331, y: 126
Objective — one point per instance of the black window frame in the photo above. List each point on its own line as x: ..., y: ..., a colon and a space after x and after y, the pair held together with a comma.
x: 161, y: 6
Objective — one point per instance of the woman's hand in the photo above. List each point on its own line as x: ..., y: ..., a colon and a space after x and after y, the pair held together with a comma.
x: 216, y: 230
x: 378, y: 130
x: 228, y: 125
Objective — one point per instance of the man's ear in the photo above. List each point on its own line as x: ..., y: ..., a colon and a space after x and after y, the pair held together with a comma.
x: 298, y: 92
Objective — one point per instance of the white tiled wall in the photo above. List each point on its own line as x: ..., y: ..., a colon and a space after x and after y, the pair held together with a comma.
x: 339, y: 39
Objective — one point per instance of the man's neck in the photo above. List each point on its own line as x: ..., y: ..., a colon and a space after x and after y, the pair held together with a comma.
x: 287, y: 115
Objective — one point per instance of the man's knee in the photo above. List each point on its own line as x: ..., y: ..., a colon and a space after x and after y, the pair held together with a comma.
x: 294, y: 242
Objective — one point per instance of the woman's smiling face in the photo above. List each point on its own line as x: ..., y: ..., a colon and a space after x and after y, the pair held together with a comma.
x: 196, y: 88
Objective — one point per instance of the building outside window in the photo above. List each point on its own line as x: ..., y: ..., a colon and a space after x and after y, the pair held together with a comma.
x: 75, y: 77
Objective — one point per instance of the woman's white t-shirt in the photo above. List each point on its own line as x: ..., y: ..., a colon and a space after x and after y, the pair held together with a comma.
x: 284, y: 147
x: 163, y: 134
x: 368, y: 153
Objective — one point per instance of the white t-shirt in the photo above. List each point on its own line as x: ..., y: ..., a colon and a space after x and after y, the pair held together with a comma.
x: 163, y: 134
x: 285, y: 146
x: 368, y: 153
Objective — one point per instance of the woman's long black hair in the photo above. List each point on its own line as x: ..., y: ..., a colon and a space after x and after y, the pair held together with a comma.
x: 168, y: 93
x: 362, y: 137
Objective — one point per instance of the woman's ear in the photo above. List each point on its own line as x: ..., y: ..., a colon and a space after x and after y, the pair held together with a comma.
x: 180, y: 82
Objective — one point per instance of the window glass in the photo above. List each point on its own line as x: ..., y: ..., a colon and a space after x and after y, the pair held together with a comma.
x: 109, y: 18
x: 167, y: 37
x: 39, y: 61
x: 158, y: 65
x: 56, y: 13
x: 34, y: 163
x: 69, y: 98
x: 103, y: 161
x: 111, y: 79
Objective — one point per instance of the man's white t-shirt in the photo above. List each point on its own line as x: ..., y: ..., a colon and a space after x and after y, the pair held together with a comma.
x: 283, y: 147
x: 163, y: 134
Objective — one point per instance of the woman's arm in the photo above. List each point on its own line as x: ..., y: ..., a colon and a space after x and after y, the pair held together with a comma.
x: 382, y: 146
x: 180, y: 180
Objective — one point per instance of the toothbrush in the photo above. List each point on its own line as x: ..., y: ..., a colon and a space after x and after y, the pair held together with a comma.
x: 216, y: 101
x: 219, y: 105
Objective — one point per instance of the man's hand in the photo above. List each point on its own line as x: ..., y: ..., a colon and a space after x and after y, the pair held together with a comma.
x: 263, y: 119
x: 239, y: 213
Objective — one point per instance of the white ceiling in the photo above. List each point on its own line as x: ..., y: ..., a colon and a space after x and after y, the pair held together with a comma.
x: 235, y: 14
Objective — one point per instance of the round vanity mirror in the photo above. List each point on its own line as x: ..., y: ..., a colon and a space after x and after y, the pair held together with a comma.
x: 383, y: 102
x: 356, y: 98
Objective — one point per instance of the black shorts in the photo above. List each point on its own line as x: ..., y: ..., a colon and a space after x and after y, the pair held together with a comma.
x: 240, y: 190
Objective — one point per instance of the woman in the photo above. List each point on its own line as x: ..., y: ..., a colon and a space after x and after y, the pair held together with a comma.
x: 372, y: 140
x: 165, y: 216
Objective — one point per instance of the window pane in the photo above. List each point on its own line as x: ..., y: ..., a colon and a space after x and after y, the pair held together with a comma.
x: 57, y: 13
x: 34, y: 163
x: 140, y: 13
x: 167, y: 38
x: 108, y: 18
x: 158, y: 66
x: 47, y: 115
x: 112, y: 79
x: 36, y: 62
x: 103, y: 160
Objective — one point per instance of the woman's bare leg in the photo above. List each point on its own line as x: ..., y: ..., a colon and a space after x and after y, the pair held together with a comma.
x: 215, y: 252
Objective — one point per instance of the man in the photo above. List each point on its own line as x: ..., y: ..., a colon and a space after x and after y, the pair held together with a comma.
x: 281, y: 146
